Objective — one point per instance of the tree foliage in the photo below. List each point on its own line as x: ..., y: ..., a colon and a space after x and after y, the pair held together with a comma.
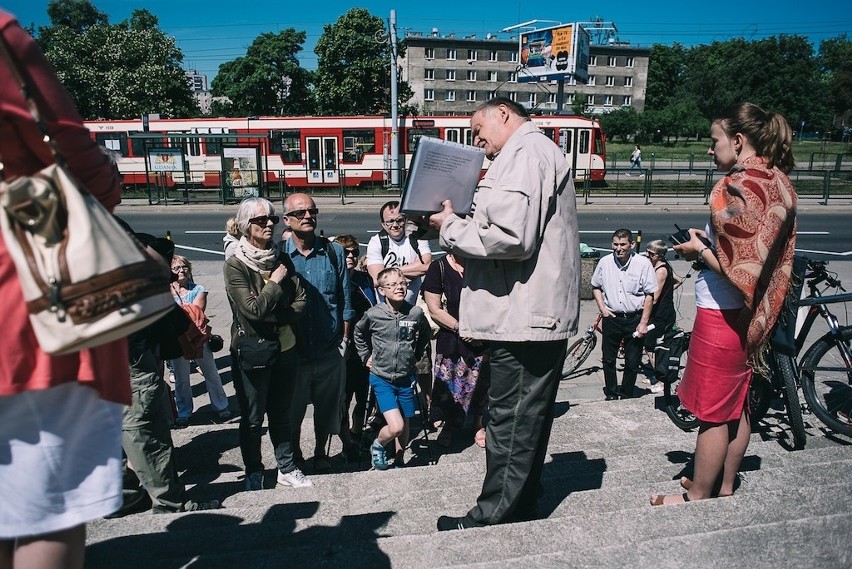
x: 353, y: 69
x: 268, y: 80
x: 622, y: 123
x: 115, y: 71
x: 835, y: 61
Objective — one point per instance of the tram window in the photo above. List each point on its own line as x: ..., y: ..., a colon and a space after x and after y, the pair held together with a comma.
x: 214, y: 145
x: 451, y: 134
x: 415, y: 134
x: 137, y: 145
x: 549, y: 133
x: 566, y: 140
x: 194, y: 146
x: 468, y: 137
x: 356, y: 143
x: 115, y: 141
x: 598, y: 143
x: 287, y: 143
x: 330, y: 154
x: 583, y: 142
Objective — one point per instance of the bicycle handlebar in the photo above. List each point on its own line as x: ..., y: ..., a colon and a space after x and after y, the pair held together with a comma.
x: 832, y: 299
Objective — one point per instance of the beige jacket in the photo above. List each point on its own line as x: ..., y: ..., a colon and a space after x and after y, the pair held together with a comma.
x: 520, y: 246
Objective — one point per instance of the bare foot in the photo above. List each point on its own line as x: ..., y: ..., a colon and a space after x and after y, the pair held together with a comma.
x: 669, y: 499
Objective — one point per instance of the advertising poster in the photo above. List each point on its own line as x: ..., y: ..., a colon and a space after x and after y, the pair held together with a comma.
x: 166, y: 159
x: 240, y: 168
x: 554, y: 53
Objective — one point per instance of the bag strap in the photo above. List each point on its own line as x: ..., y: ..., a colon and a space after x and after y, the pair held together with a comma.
x: 6, y: 54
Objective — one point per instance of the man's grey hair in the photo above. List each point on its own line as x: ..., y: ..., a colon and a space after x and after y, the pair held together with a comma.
x: 513, y: 107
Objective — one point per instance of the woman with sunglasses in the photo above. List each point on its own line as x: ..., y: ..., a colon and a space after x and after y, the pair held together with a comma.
x: 266, y: 298
x: 186, y: 291
x: 663, y: 314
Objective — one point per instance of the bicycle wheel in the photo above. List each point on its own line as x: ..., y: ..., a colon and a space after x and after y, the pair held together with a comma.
x: 759, y: 398
x: 679, y: 415
x: 578, y: 352
x: 827, y: 381
x: 790, y: 393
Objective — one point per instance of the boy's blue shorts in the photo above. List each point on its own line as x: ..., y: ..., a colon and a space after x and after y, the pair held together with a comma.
x: 398, y: 394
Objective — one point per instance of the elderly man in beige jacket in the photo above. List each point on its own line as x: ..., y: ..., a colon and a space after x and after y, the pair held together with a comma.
x: 522, y: 294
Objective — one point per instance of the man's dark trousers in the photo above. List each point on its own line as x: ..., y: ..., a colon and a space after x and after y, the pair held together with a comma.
x: 614, y: 330
x: 524, y: 380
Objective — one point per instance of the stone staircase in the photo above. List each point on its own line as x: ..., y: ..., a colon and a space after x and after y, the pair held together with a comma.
x: 793, y: 509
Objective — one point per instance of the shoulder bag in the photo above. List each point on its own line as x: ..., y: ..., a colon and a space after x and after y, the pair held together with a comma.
x: 85, y: 280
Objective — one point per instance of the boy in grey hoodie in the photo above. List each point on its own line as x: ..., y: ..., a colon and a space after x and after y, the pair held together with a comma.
x: 390, y: 338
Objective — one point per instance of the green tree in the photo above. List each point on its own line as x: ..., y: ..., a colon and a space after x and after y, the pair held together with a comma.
x: 353, y: 68
x: 622, y: 123
x: 835, y: 61
x: 268, y: 80
x: 666, y: 75
x: 117, y: 71
x: 578, y: 107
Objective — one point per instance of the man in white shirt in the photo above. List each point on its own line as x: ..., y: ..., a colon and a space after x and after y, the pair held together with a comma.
x: 623, y: 285
x: 400, y: 250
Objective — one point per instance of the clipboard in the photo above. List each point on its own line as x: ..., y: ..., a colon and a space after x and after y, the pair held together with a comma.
x: 442, y: 170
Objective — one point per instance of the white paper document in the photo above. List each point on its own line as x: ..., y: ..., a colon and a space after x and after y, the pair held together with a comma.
x: 442, y: 170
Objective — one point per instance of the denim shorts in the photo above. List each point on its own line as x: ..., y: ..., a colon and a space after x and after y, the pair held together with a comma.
x: 397, y: 394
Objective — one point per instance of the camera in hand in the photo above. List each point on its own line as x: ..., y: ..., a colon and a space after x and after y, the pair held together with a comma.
x: 682, y: 236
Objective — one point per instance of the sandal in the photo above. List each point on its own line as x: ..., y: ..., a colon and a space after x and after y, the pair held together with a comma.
x: 685, y: 483
x: 479, y: 438
x: 660, y: 499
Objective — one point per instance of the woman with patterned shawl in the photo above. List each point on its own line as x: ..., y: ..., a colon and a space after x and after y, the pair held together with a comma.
x: 739, y: 293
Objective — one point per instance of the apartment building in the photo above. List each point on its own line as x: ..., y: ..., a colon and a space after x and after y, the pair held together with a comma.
x: 451, y: 75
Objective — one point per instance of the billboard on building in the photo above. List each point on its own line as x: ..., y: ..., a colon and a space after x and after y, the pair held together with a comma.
x: 554, y: 53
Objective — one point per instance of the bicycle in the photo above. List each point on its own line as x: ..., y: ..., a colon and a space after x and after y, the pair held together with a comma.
x: 581, y: 349
x: 826, y: 367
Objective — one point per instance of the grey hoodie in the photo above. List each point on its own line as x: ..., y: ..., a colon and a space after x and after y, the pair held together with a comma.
x: 396, y: 340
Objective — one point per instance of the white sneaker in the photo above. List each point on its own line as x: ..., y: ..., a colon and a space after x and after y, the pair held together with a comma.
x: 657, y: 388
x: 294, y: 478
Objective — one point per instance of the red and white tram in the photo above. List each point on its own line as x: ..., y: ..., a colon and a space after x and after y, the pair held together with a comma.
x: 312, y: 151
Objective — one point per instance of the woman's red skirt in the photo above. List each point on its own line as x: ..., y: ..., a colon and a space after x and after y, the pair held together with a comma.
x: 717, y: 377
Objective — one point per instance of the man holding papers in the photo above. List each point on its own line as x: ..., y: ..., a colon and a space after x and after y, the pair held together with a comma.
x: 521, y: 293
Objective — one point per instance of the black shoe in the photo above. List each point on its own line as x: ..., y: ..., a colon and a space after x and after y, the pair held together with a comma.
x: 134, y: 502
x: 200, y: 506
x: 181, y: 423
x: 352, y: 451
x: 610, y: 397
x: 447, y: 523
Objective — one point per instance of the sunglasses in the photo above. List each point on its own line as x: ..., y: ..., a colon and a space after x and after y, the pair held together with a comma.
x: 180, y: 269
x: 263, y: 220
x: 353, y: 252
x: 392, y: 222
x: 301, y: 213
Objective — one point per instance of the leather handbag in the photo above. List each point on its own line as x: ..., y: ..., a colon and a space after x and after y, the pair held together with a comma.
x: 85, y: 280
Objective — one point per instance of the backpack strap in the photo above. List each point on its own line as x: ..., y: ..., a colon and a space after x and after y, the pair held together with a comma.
x: 384, y: 239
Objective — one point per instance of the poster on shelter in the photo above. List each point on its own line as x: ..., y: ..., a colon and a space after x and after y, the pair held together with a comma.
x: 240, y: 169
x: 166, y: 159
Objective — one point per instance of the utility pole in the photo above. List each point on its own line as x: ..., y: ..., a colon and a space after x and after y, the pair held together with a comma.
x: 394, y: 161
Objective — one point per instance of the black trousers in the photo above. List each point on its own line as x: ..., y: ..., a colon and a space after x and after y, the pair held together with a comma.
x: 266, y: 392
x: 614, y: 330
x: 524, y: 380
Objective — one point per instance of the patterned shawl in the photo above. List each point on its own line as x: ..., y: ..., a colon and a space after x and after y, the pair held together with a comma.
x: 753, y: 212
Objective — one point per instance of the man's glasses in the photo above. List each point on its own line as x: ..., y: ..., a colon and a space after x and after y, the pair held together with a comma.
x: 263, y: 220
x: 392, y: 286
x: 392, y: 222
x: 301, y: 213
x: 352, y: 252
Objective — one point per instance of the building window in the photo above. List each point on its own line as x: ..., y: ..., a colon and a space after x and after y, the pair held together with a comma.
x: 610, y: 81
x: 451, y: 95
x: 428, y: 94
x: 628, y: 81
x: 532, y: 100
x: 513, y: 57
x: 592, y: 80
x: 593, y: 60
x: 628, y: 62
x: 590, y: 100
x: 610, y: 61
x: 451, y: 74
x: 471, y: 96
x: 429, y: 53
x: 471, y: 55
x: 607, y: 100
x: 572, y: 80
x: 513, y: 77
x: 551, y: 98
x: 491, y: 95
x: 492, y: 76
x: 429, y: 74
x: 451, y: 54
x: 569, y: 99
x: 513, y: 96
x: 492, y: 55
x: 627, y: 100
x: 471, y: 75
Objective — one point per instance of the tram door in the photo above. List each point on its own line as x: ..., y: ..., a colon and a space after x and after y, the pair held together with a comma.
x: 322, y: 160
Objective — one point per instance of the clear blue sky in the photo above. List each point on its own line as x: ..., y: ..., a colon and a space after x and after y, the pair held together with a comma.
x: 210, y: 32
